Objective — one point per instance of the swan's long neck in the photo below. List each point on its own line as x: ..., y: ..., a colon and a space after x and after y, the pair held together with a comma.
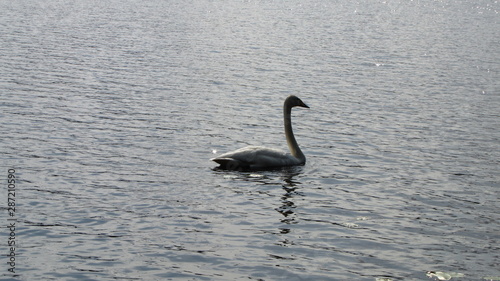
x: 290, y: 138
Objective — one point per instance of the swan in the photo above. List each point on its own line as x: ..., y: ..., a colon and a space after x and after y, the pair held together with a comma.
x: 260, y: 158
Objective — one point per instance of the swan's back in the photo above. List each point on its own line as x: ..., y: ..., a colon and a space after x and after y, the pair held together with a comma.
x: 256, y: 158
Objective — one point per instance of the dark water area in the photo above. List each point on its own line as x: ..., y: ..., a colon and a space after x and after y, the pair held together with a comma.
x: 111, y: 110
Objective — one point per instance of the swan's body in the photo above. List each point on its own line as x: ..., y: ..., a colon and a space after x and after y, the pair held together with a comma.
x: 258, y: 157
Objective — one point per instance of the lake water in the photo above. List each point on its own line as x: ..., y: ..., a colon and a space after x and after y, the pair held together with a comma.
x: 111, y: 110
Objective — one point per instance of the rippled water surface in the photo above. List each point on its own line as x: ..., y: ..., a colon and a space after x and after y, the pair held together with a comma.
x: 111, y: 110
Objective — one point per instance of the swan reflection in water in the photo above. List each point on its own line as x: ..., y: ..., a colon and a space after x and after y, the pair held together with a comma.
x: 284, y: 198
x: 262, y: 158
x: 287, y: 203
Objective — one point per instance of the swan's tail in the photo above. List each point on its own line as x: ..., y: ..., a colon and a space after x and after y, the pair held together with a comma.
x: 231, y: 164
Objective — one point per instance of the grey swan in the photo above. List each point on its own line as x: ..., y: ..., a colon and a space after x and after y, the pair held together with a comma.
x: 262, y: 158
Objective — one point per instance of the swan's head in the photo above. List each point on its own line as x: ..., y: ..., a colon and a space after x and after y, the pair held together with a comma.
x: 295, y: 101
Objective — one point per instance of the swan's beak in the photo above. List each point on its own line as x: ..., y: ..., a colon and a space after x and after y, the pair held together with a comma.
x: 304, y: 105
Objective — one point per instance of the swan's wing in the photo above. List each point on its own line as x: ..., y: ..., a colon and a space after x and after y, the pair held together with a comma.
x: 255, y: 157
